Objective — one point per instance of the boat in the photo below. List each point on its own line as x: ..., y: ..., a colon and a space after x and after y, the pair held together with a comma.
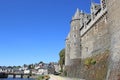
x: 3, y: 75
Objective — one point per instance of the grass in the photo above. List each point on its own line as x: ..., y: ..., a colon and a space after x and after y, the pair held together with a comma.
x: 40, y: 77
x: 43, y: 77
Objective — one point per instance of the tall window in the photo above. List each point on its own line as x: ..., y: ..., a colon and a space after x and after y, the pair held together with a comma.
x: 105, y: 19
x: 74, y: 28
x: 96, y: 29
x: 93, y: 15
x: 75, y: 44
x: 86, y: 49
x: 74, y: 36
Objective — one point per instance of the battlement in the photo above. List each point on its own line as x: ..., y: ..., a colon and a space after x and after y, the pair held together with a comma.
x: 89, y: 25
x: 88, y: 20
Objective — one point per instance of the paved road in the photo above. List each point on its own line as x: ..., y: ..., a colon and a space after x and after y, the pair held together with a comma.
x: 53, y: 77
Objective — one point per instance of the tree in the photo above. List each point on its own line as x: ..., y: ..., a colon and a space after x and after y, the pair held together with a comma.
x: 18, y: 67
x: 62, y: 58
x: 41, y: 62
x: 31, y: 66
x: 25, y: 65
x: 9, y: 67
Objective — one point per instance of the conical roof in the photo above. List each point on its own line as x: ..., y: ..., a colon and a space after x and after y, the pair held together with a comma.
x: 77, y: 14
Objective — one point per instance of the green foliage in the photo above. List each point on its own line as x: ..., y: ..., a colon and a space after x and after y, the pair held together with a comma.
x: 93, y: 62
x: 25, y: 65
x: 41, y: 62
x: 90, y: 61
x: 62, y: 58
x: 65, y: 73
x: 40, y: 78
x: 9, y: 67
x: 45, y: 77
x: 31, y: 66
x: 60, y: 71
x: 18, y: 67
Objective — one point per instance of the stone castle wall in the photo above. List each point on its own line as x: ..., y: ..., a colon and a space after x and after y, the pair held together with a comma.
x: 101, y: 34
x: 88, y: 33
x: 96, y: 40
x: 114, y: 28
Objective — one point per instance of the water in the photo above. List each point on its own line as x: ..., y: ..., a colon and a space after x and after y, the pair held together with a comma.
x: 16, y: 79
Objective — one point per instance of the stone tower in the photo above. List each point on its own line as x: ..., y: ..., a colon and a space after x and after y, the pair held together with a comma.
x: 114, y: 29
x: 75, y: 36
x: 67, y: 51
x: 72, y: 50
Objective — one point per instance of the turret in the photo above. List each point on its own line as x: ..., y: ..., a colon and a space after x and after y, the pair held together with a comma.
x: 77, y: 15
x: 75, y: 36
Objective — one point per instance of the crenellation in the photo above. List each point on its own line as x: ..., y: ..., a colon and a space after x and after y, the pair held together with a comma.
x: 95, y: 9
x: 85, y: 29
x: 103, y: 4
x: 87, y: 19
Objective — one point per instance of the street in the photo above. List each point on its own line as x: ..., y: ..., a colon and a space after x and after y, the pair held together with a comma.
x: 54, y: 77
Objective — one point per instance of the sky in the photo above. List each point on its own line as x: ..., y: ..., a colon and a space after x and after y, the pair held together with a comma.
x: 35, y: 30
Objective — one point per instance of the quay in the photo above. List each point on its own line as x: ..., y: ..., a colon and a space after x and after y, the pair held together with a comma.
x: 5, y: 75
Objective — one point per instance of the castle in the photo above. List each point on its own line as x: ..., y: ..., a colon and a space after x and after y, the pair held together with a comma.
x: 94, y: 33
x: 88, y: 33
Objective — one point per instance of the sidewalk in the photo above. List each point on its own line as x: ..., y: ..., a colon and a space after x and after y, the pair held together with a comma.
x: 54, y: 77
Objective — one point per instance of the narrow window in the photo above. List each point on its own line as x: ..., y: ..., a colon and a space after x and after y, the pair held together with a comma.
x: 74, y: 28
x: 74, y: 44
x: 74, y: 36
x: 105, y: 19
x: 86, y: 49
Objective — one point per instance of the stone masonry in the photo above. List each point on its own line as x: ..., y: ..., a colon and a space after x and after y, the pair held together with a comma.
x: 88, y: 34
x: 114, y: 30
x: 94, y: 33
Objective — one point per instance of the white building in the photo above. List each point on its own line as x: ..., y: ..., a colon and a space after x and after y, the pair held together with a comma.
x: 42, y: 71
x: 26, y: 71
